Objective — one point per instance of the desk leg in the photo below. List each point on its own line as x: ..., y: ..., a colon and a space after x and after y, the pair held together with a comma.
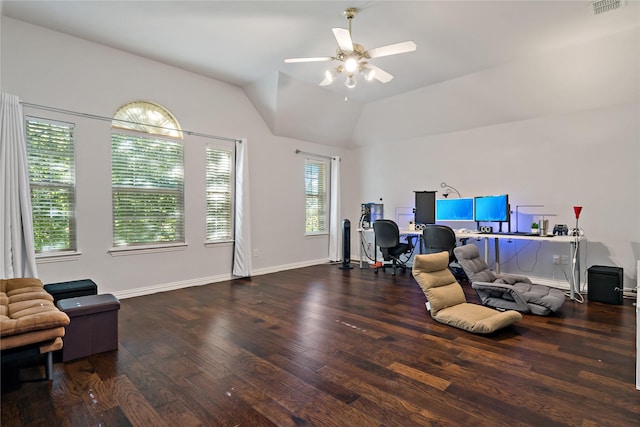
x: 360, y: 247
x: 486, y: 250
x: 496, y: 249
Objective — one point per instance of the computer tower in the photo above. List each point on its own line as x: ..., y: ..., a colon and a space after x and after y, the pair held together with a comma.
x: 605, y: 284
x: 369, y: 213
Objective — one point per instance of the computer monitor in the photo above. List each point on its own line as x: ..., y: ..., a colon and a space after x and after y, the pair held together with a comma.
x: 454, y: 209
x: 491, y: 208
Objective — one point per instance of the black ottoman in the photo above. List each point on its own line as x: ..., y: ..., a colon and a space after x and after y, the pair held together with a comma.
x: 93, y: 328
x: 72, y: 289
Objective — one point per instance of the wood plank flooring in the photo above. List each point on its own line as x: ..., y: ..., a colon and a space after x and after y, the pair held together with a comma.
x: 328, y: 347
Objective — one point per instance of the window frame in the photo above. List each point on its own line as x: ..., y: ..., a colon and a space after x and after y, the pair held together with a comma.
x: 323, y: 200
x: 72, y: 235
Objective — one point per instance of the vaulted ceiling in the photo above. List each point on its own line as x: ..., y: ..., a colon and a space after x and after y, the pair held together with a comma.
x: 245, y: 43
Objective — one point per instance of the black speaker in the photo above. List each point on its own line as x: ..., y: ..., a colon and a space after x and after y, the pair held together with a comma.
x: 486, y: 229
x: 605, y: 284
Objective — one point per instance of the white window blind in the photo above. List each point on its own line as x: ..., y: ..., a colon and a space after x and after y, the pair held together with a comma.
x: 219, y: 175
x: 316, y: 197
x: 50, y: 149
x: 148, y: 190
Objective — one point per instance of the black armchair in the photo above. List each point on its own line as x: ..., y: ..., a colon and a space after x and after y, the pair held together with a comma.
x: 387, y: 237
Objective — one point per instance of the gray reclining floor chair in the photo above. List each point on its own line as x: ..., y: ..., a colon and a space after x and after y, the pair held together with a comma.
x: 507, y: 291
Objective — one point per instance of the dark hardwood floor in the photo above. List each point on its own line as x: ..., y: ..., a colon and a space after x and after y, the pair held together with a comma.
x: 324, y: 346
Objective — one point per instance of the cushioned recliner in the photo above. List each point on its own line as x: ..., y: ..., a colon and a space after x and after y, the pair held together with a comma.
x: 29, y: 322
x: 446, y: 298
x: 507, y: 291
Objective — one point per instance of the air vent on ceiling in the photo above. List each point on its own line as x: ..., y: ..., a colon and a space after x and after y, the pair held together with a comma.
x: 601, y: 6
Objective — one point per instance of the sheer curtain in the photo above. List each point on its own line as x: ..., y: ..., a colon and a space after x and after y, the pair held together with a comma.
x: 17, y: 247
x: 242, y: 246
x: 334, y: 213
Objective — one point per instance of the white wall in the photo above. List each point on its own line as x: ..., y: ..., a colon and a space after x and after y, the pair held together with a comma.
x: 52, y: 69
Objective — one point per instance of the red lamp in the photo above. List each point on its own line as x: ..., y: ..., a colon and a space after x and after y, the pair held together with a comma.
x: 577, y: 210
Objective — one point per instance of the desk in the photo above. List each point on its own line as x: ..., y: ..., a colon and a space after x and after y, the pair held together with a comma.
x: 361, y: 232
x: 573, y: 241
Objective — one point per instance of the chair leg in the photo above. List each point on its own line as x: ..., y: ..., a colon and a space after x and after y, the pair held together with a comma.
x: 48, y: 367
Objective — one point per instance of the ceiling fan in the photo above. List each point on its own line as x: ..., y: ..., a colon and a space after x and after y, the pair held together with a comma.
x: 354, y: 58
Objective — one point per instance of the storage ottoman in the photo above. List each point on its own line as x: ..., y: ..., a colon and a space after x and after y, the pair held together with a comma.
x: 94, y: 325
x: 72, y: 289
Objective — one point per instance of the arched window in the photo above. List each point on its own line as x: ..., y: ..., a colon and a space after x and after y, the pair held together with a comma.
x: 147, y: 117
x: 147, y: 171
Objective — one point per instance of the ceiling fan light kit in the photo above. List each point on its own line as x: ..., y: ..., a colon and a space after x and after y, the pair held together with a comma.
x: 368, y: 73
x: 353, y: 57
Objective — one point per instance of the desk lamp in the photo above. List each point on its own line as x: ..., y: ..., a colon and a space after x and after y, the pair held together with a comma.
x: 448, y: 190
x: 577, y: 210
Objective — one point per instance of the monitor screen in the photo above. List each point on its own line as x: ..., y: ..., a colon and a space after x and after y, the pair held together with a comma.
x: 491, y: 208
x: 454, y: 209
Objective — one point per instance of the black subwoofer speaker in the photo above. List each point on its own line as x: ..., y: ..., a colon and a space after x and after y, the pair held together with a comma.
x: 605, y: 284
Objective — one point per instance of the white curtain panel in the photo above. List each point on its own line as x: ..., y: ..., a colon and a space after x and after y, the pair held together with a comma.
x: 17, y: 248
x: 242, y: 247
x: 334, y: 213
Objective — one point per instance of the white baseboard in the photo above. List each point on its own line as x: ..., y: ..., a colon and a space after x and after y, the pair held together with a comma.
x: 200, y: 281
x: 283, y: 267
x: 172, y: 286
x: 560, y: 284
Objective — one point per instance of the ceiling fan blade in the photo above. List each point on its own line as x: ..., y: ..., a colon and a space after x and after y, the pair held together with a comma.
x: 344, y: 39
x: 326, y: 82
x: 316, y: 59
x: 392, y: 49
x: 379, y: 74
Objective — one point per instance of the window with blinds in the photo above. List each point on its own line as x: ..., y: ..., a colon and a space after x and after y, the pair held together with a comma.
x: 219, y: 175
x: 147, y: 189
x: 316, y: 196
x: 51, y: 154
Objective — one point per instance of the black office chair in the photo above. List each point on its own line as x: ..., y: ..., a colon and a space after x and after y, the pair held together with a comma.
x: 387, y: 237
x: 440, y: 238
